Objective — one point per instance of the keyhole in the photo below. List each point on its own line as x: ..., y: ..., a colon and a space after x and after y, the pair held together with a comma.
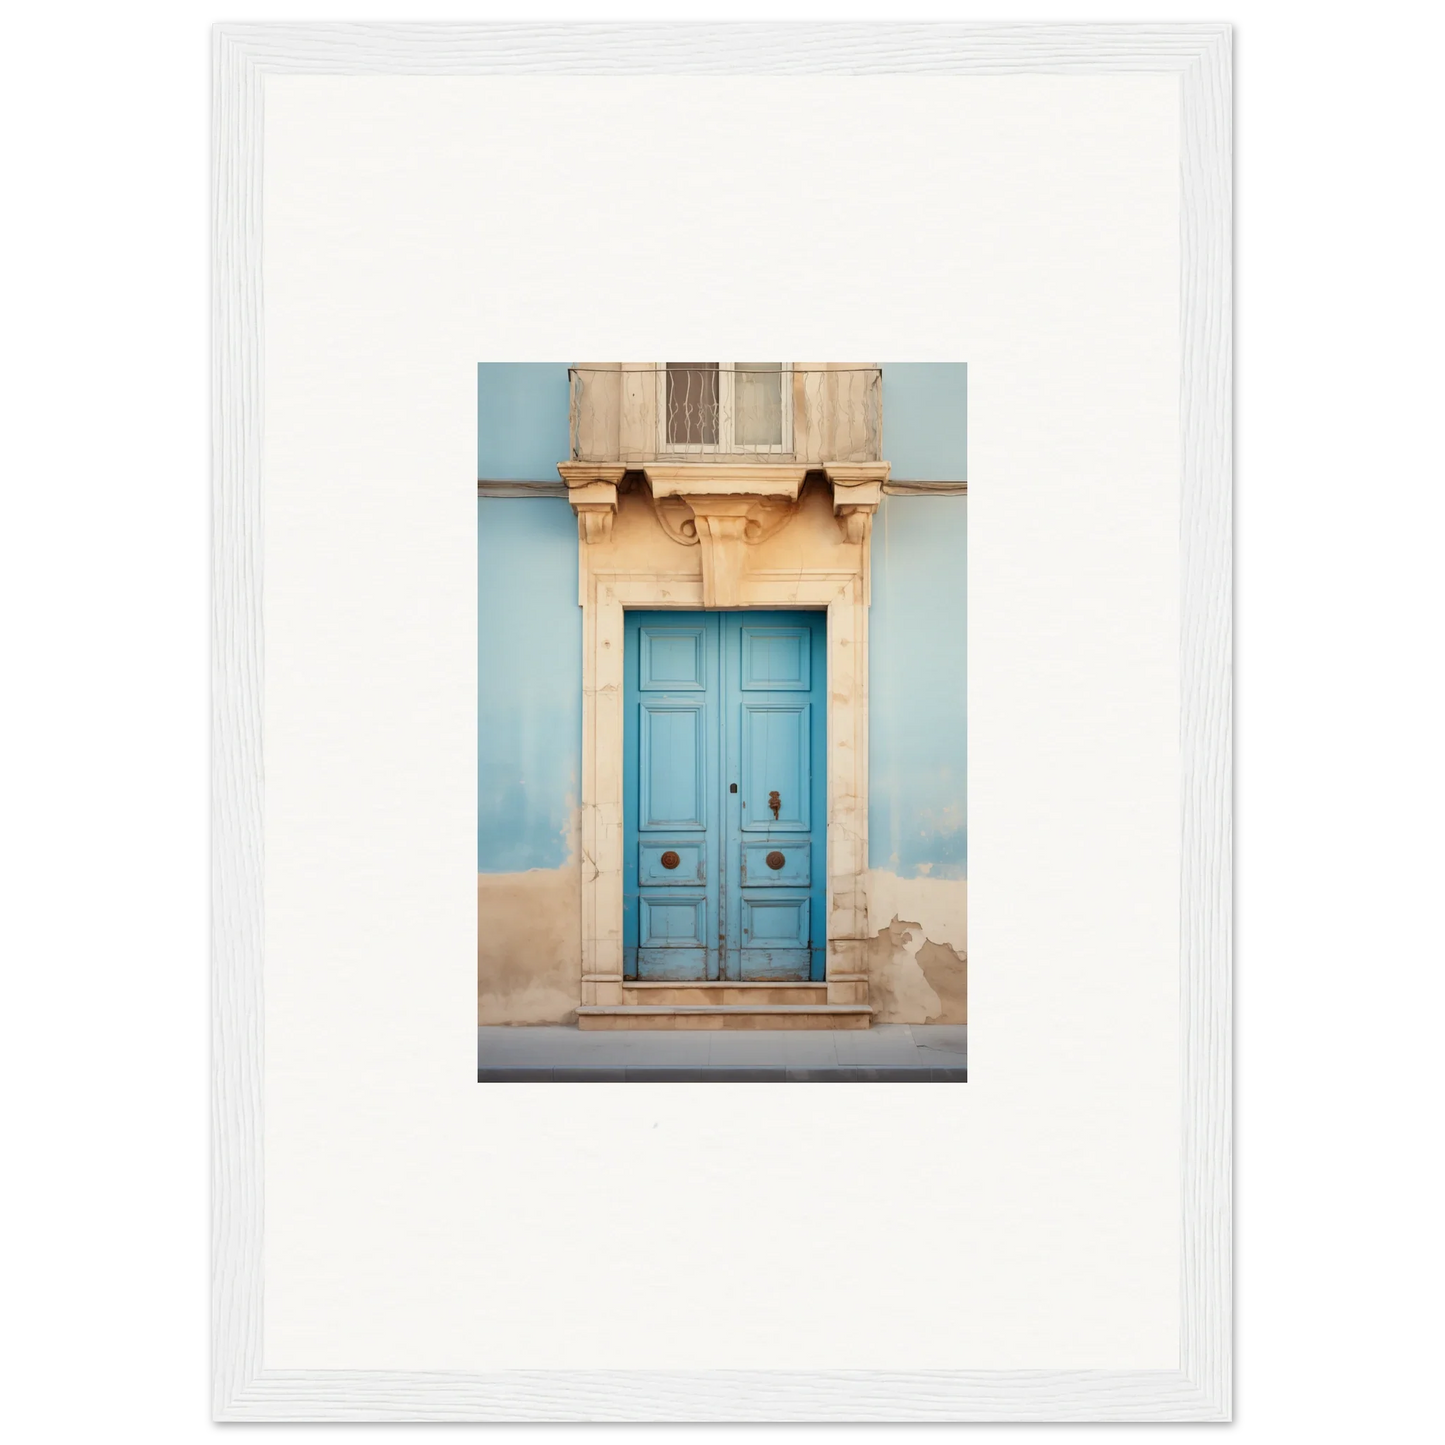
x: 775, y: 802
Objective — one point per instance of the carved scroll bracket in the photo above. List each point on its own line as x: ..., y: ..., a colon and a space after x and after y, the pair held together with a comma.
x: 857, y: 490
x: 724, y: 510
x: 592, y: 490
x: 764, y: 517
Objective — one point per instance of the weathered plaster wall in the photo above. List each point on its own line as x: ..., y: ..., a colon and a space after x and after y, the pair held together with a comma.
x: 529, y: 741
x: 918, y: 744
x: 529, y: 698
x: 529, y: 945
x: 918, y: 958
x: 918, y: 652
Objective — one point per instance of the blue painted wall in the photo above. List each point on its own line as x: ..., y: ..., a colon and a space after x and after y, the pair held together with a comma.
x: 529, y: 689
x: 530, y: 629
x: 917, y: 719
x: 522, y: 430
x: 925, y: 420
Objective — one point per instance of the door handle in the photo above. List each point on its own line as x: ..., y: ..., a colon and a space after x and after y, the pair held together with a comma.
x: 775, y: 802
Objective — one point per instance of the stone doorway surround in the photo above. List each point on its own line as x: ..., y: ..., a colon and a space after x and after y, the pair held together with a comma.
x: 719, y: 535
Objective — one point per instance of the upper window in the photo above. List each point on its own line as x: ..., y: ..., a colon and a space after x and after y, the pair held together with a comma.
x: 726, y: 406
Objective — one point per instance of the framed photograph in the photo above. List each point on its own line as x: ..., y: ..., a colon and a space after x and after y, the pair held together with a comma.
x: 858, y: 721
x: 770, y: 700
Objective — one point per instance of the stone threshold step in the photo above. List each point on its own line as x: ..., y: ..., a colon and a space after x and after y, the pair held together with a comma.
x: 725, y: 1016
x: 725, y: 991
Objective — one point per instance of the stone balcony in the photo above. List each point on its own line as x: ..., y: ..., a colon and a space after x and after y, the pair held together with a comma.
x: 740, y: 413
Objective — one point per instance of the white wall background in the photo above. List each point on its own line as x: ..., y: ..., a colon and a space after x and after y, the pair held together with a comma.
x: 416, y: 1222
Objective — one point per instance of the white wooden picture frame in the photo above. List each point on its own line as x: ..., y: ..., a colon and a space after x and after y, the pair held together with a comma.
x: 244, y: 1389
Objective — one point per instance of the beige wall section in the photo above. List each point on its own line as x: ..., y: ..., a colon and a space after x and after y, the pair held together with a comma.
x: 529, y: 941
x: 918, y: 957
x: 529, y: 945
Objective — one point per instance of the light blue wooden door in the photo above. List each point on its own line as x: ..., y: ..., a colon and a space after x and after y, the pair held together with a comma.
x: 672, y: 777
x: 775, y: 736
x: 724, y: 795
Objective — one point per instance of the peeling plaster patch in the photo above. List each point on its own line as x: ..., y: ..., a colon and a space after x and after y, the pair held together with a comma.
x: 897, y: 987
x: 947, y: 973
x: 529, y: 942
x: 918, y: 964
x: 939, y: 904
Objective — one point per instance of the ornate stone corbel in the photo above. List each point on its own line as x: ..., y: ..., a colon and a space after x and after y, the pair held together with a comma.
x: 765, y: 517
x: 724, y: 509
x: 857, y: 490
x: 722, y: 524
x: 592, y: 490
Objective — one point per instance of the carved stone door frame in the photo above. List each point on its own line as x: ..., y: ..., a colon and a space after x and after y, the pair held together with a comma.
x: 724, y: 510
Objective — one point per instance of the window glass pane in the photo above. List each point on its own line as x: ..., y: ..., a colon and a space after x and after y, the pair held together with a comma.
x: 692, y: 403
x: 758, y: 402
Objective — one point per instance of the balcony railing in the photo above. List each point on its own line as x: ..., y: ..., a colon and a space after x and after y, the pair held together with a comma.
x: 741, y: 411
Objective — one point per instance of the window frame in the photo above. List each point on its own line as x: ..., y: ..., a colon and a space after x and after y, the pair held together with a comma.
x: 727, y: 444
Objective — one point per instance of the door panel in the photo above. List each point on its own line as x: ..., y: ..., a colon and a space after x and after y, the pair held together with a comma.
x: 673, y: 659
x: 672, y: 922
x: 780, y: 863
x: 773, y: 923
x: 776, y: 768
x: 776, y: 658
x: 724, y: 720
x: 673, y: 766
x: 676, y: 863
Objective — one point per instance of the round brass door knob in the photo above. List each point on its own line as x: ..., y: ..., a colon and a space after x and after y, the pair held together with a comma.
x: 775, y: 860
x: 670, y: 859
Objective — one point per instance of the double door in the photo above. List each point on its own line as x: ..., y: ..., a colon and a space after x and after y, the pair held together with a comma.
x: 724, y: 795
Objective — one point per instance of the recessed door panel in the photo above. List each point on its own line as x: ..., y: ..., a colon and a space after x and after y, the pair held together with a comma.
x: 672, y: 922
x: 776, y: 767
x: 676, y: 863
x: 775, y: 923
x: 673, y: 766
x: 672, y: 659
x: 776, y: 658
x: 775, y: 863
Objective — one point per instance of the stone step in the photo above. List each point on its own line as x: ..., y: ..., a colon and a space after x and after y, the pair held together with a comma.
x: 725, y: 1016
x: 701, y: 995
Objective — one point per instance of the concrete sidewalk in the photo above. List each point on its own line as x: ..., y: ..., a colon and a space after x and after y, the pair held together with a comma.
x: 886, y: 1053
